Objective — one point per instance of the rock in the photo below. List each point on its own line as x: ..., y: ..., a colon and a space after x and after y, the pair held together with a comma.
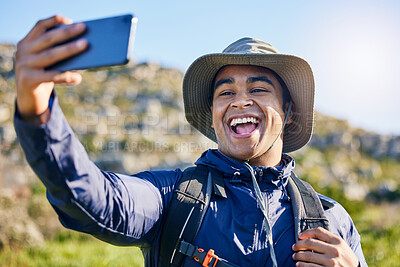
x: 145, y: 71
x: 394, y: 148
x: 7, y: 134
x: 5, y: 113
x: 17, y: 229
x: 354, y: 190
x: 380, y: 146
x: 6, y: 59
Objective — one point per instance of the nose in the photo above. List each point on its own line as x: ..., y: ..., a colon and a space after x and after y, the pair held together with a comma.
x: 241, y: 101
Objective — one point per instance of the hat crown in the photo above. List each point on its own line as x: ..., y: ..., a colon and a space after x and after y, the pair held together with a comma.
x: 249, y: 45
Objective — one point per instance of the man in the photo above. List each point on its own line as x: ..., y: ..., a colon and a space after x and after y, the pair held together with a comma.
x: 254, y: 102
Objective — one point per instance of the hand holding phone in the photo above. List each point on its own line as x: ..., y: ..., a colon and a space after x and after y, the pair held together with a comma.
x: 109, y: 42
x: 53, y: 46
x: 35, y: 52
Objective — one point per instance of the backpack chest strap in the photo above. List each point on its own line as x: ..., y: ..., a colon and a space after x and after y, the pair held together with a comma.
x: 206, y: 259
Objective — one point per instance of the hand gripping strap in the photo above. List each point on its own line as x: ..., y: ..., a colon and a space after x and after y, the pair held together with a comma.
x: 185, y: 213
x: 307, y: 208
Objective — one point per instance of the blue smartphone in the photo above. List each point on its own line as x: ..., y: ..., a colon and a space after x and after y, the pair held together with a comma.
x: 110, y: 41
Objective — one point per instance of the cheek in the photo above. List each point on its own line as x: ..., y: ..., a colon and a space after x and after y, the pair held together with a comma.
x: 217, y: 112
x: 274, y: 116
x: 216, y: 118
x: 273, y: 107
x: 213, y: 115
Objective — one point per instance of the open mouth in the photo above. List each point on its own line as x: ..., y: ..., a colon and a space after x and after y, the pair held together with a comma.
x: 244, y: 126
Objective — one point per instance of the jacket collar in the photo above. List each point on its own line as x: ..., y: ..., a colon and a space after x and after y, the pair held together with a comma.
x: 230, y: 168
x: 222, y: 167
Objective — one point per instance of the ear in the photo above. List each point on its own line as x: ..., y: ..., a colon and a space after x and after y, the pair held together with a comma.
x: 292, y: 111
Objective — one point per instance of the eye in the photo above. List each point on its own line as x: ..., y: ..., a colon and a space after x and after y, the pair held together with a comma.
x: 226, y: 93
x: 258, y: 90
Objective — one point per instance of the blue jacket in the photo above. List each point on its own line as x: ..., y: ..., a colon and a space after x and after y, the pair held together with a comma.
x: 129, y: 210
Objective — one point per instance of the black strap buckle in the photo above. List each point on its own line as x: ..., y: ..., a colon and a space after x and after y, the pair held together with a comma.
x: 210, y: 259
x: 206, y: 259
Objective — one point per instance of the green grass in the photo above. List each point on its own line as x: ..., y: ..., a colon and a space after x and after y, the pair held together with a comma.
x: 379, y: 229
x: 381, y: 247
x: 72, y: 250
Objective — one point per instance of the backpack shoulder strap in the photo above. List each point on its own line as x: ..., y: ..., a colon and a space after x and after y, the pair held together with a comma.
x: 307, y: 208
x: 185, y: 213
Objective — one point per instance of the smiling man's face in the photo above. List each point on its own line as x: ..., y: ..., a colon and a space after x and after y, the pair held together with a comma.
x: 247, y: 114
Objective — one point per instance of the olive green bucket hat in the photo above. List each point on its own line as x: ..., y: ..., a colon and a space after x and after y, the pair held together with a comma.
x: 294, y: 71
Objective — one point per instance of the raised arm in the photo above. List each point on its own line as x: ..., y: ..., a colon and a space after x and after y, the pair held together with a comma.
x: 116, y: 208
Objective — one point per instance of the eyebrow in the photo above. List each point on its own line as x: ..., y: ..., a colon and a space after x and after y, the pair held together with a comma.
x: 259, y: 79
x: 224, y: 81
x: 249, y: 80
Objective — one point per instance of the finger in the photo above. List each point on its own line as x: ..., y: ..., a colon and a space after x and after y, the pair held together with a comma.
x: 307, y: 264
x: 53, y: 37
x: 68, y: 78
x: 53, y: 55
x: 311, y: 244
x: 43, y: 25
x: 321, y: 234
x: 30, y: 78
x: 308, y: 258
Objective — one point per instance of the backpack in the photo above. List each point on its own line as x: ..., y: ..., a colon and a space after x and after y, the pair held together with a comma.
x: 191, y: 199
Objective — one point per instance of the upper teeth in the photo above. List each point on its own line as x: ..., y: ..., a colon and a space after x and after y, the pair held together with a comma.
x: 234, y: 122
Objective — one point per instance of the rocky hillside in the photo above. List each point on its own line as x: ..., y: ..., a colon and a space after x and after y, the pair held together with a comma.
x: 131, y: 119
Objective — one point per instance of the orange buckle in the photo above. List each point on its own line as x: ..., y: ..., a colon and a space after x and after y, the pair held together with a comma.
x: 210, y: 255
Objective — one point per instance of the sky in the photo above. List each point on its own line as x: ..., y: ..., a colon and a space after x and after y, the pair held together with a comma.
x: 353, y: 47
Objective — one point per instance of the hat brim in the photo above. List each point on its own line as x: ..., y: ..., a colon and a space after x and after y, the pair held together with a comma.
x: 294, y: 71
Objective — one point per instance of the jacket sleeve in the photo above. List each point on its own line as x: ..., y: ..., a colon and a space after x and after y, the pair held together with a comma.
x: 119, y: 209
x: 341, y: 224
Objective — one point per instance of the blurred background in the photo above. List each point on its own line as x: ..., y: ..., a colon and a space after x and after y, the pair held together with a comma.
x: 131, y: 118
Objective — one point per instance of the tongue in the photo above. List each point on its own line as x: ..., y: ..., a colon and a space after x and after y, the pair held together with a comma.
x: 245, y: 128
